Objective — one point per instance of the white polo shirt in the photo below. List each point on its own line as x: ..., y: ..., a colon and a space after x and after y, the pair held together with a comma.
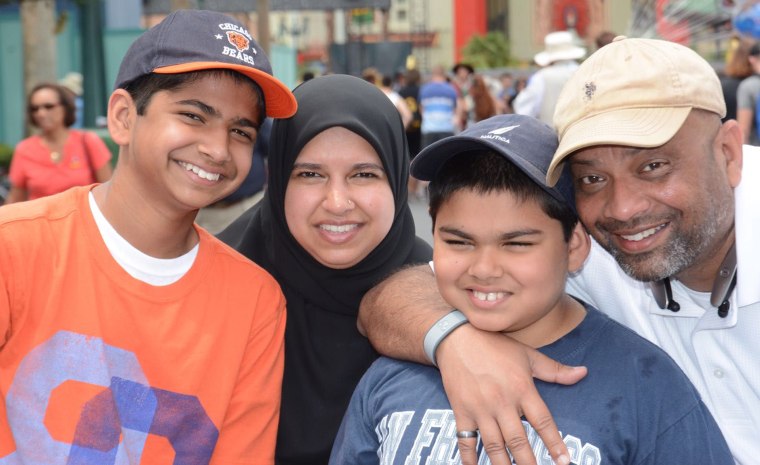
x: 721, y: 356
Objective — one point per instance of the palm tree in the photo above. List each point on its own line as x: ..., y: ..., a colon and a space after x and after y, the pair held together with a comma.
x: 488, y: 51
x: 38, y: 32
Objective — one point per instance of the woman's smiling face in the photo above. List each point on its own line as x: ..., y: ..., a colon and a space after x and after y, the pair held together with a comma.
x: 338, y: 203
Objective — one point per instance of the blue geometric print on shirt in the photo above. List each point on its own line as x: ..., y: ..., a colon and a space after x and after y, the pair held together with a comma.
x: 128, y: 408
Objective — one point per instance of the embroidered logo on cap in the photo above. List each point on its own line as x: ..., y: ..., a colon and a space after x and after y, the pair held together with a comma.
x: 589, y: 90
x: 501, y: 131
x: 240, y: 39
x: 496, y: 133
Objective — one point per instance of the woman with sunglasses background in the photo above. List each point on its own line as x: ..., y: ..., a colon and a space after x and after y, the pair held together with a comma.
x: 56, y: 157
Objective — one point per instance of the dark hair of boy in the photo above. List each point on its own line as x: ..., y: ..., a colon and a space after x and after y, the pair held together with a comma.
x: 484, y: 172
x: 144, y: 87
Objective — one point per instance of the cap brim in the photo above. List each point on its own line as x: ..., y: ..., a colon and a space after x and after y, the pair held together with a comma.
x: 634, y: 127
x: 280, y: 101
x: 426, y: 164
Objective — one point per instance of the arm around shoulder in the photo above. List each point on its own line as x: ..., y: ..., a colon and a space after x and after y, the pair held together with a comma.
x: 397, y: 313
x: 396, y: 316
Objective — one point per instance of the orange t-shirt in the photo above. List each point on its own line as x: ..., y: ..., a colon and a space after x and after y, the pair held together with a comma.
x: 98, y: 367
x: 33, y: 169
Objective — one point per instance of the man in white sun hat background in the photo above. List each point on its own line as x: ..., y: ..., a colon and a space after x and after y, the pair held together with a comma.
x: 658, y: 184
x: 558, y: 63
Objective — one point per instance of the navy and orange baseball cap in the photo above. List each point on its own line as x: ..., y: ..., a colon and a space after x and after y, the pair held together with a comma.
x: 194, y: 40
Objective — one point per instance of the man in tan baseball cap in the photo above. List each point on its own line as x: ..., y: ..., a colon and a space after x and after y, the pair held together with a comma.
x: 657, y: 184
x: 637, y: 92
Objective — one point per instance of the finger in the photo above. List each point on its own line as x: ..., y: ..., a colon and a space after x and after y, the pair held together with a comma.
x: 468, y: 450
x: 468, y: 447
x: 493, y: 442
x: 551, y: 371
x: 516, y: 440
x: 541, y: 420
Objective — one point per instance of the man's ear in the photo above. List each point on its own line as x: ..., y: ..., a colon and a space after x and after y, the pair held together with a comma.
x: 121, y: 116
x: 728, y: 149
x: 579, y: 247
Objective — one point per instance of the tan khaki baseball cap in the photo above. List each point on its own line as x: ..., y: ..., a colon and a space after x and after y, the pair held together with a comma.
x: 632, y: 92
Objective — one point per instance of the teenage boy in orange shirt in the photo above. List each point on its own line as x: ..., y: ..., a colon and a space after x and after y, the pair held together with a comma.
x: 127, y: 333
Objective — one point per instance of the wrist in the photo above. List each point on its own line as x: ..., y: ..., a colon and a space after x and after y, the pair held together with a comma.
x: 439, y: 331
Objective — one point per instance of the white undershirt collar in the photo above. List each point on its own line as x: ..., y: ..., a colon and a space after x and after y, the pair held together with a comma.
x: 151, y: 270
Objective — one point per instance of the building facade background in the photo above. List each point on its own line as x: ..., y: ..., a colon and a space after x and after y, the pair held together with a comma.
x: 346, y: 35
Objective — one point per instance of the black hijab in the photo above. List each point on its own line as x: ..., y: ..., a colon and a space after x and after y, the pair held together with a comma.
x: 324, y: 353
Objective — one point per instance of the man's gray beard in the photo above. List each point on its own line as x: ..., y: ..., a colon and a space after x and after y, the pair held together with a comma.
x: 674, y: 257
x: 659, y: 264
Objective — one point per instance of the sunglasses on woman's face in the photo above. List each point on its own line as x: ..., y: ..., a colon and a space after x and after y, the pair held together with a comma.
x: 46, y: 106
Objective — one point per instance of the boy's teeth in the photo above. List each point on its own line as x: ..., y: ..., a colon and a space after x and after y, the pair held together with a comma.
x: 488, y: 296
x: 337, y: 229
x: 642, y: 234
x: 201, y: 173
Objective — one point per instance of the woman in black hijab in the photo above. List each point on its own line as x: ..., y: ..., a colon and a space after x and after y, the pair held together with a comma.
x: 325, y: 356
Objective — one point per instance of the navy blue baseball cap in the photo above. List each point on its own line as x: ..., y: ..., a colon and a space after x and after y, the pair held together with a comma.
x: 525, y: 141
x: 194, y: 40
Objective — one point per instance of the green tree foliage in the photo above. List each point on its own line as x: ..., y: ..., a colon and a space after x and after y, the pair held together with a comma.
x: 6, y: 153
x: 488, y: 51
